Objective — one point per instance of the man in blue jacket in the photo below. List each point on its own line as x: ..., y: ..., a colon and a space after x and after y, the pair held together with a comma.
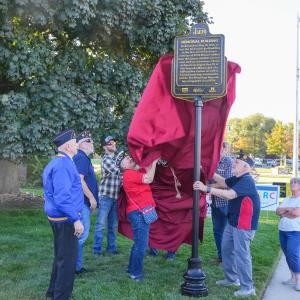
x: 90, y: 189
x: 63, y: 205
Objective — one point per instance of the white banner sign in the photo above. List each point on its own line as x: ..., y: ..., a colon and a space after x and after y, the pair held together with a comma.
x: 269, y: 196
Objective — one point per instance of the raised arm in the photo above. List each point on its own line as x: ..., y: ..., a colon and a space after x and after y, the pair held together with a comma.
x: 150, y: 171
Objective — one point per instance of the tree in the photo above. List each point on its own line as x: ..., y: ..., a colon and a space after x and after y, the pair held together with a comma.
x: 280, y: 140
x: 249, y: 133
x: 80, y: 64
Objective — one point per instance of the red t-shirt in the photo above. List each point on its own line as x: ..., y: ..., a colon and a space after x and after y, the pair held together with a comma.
x: 138, y: 194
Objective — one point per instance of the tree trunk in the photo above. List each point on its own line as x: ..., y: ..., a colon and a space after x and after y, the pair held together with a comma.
x: 9, y: 177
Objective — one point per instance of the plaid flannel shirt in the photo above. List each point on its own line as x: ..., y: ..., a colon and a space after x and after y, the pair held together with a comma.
x: 111, y: 178
x: 224, y: 169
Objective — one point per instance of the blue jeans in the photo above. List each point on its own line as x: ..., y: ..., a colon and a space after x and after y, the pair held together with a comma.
x: 290, y: 244
x: 86, y: 222
x: 219, y: 220
x: 140, y: 231
x: 106, y: 213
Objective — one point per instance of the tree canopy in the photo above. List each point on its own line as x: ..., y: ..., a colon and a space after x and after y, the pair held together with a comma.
x: 280, y: 141
x: 250, y: 133
x: 80, y: 64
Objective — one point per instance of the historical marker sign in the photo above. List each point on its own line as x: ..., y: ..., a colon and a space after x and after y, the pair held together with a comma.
x: 199, y: 65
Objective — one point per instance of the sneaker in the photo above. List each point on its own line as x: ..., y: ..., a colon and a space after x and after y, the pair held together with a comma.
x: 244, y: 293
x: 297, y: 287
x: 170, y: 255
x: 290, y: 281
x: 135, y: 278
x: 153, y: 252
x: 81, y: 271
x: 225, y: 282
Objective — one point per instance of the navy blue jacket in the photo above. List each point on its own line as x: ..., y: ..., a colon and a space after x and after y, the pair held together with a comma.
x: 85, y: 168
x: 62, y: 190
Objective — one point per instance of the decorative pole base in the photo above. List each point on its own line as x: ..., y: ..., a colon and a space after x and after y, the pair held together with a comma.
x: 194, y: 277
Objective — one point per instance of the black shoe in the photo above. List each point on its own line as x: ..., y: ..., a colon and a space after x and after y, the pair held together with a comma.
x: 50, y: 295
x: 170, y: 255
x: 81, y: 271
x: 153, y: 252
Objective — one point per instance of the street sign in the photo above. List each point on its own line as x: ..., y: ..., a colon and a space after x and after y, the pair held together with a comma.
x: 199, y: 65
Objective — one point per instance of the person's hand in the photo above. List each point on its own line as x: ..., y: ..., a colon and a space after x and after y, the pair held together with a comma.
x: 162, y: 162
x: 93, y: 203
x: 155, y: 161
x: 78, y: 228
x: 198, y: 185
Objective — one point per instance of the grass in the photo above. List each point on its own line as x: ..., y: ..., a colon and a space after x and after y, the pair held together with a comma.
x: 33, y: 191
x: 26, y: 256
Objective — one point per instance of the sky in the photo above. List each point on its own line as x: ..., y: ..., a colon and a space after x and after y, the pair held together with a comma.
x: 261, y: 36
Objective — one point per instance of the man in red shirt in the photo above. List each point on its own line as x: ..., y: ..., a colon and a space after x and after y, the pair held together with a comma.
x: 136, y: 185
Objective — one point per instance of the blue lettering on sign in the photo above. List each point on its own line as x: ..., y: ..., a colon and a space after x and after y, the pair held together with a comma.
x: 269, y: 196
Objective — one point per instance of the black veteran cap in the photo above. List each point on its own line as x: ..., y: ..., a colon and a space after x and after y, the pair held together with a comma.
x: 83, y: 136
x: 107, y: 139
x: 64, y: 137
x: 245, y: 158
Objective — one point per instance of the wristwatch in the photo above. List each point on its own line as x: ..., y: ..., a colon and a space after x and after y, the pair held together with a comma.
x: 208, y: 189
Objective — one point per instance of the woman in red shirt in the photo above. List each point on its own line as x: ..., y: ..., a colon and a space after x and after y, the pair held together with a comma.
x: 136, y: 185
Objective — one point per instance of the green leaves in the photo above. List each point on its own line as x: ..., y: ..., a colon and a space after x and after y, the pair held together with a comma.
x: 249, y: 133
x: 80, y: 64
x: 280, y: 140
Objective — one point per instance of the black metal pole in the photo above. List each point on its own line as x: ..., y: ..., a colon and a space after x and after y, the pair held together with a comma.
x: 194, y: 277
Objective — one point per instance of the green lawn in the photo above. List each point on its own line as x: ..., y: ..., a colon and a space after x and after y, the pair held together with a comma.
x: 33, y: 191
x: 26, y: 256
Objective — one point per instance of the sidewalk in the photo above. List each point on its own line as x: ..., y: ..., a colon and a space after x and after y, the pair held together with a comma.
x: 276, y: 290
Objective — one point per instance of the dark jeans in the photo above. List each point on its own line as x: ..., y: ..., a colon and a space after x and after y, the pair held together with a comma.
x: 65, y: 253
x: 219, y: 220
x: 140, y: 243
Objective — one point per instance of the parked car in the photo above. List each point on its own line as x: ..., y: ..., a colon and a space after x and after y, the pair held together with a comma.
x: 258, y: 162
x: 271, y: 162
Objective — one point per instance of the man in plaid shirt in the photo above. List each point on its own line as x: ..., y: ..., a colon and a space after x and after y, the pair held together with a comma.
x: 109, y: 192
x: 219, y: 205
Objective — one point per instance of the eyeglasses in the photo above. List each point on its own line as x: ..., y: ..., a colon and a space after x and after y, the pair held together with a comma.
x: 110, y: 143
x: 88, y: 141
x: 295, y: 180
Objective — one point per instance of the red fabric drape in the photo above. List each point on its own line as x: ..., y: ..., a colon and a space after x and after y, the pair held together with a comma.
x: 163, y: 126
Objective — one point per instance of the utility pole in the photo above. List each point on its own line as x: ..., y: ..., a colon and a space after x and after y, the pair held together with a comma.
x: 296, y: 124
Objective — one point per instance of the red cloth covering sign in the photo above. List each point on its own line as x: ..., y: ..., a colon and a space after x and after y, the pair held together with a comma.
x: 164, y: 126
